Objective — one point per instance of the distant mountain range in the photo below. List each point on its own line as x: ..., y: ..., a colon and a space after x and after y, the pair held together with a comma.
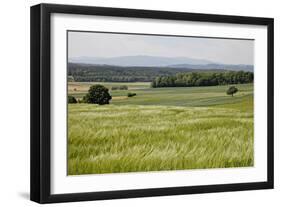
x: 158, y: 61
x: 249, y: 68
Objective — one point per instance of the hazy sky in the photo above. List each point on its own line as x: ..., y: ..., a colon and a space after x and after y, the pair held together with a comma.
x: 227, y: 51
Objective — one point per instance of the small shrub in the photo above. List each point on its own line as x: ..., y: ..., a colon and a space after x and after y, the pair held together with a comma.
x: 114, y: 88
x: 131, y: 94
x: 71, y: 99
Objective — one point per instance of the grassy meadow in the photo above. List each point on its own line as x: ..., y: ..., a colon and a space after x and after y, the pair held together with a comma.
x: 160, y: 129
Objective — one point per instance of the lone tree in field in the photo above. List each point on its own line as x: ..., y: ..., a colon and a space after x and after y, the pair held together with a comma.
x: 232, y: 90
x: 97, y: 94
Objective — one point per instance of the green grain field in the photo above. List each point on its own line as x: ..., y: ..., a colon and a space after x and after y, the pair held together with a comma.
x: 160, y: 129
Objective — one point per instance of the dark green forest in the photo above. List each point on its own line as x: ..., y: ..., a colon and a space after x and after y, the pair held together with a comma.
x: 158, y: 76
x: 203, y: 79
x: 108, y: 73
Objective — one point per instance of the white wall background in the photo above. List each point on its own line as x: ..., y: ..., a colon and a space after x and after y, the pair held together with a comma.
x: 14, y: 110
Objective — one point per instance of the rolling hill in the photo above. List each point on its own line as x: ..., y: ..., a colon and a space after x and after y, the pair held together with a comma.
x: 141, y: 67
x: 108, y: 73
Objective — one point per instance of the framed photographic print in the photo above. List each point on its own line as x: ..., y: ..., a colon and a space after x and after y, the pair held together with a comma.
x: 133, y: 103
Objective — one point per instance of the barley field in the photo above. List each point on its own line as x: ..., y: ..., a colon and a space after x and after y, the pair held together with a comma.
x: 160, y: 129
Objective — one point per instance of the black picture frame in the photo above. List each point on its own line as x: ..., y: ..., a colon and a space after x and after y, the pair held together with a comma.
x: 41, y: 96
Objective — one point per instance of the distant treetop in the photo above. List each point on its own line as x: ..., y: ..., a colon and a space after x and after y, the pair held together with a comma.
x: 203, y: 79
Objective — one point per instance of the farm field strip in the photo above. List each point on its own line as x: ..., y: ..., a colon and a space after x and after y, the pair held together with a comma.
x: 161, y: 129
x: 147, y: 138
x: 183, y: 96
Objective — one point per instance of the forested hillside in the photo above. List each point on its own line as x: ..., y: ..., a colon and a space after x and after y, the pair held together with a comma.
x: 107, y: 73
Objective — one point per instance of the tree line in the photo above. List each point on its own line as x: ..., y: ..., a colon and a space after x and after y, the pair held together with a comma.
x: 203, y: 79
x: 108, y: 73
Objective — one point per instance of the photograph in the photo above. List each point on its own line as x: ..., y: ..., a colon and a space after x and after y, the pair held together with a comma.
x: 133, y: 103
x: 158, y: 102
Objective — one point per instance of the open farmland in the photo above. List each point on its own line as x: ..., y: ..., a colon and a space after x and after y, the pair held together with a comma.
x: 160, y: 129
